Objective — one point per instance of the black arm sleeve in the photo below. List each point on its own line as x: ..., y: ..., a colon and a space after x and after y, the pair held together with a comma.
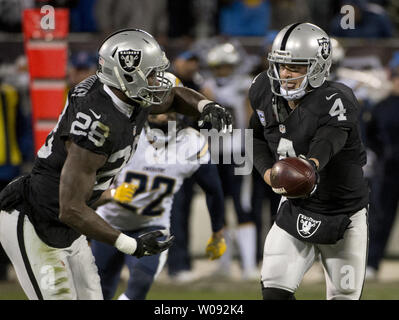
x: 263, y: 157
x: 207, y: 176
x: 326, y: 143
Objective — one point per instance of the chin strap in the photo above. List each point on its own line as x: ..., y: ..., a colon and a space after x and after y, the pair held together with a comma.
x: 123, y: 87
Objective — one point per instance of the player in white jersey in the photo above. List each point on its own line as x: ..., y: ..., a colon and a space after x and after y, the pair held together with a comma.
x: 229, y: 87
x: 163, y: 159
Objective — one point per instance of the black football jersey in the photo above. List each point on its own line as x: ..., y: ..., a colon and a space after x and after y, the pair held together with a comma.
x: 91, y: 120
x: 342, y: 187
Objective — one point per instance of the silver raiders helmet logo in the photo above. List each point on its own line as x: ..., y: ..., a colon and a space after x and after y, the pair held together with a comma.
x: 306, y: 226
x: 129, y: 59
x: 324, y: 47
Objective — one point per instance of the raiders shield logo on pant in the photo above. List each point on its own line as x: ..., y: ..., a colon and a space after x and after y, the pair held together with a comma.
x: 306, y: 226
x: 286, y: 259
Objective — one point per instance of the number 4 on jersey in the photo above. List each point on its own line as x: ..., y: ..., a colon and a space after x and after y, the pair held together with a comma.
x: 338, y: 110
x: 285, y: 148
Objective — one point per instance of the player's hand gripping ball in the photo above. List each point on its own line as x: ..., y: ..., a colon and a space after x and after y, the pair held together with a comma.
x: 215, y: 248
x: 293, y: 177
x: 125, y: 192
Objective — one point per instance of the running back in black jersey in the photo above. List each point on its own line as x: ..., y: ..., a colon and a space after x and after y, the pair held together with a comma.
x: 342, y: 187
x: 90, y: 120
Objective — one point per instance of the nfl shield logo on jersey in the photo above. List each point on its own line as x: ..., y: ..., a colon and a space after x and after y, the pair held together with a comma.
x: 129, y: 59
x: 262, y: 118
x: 306, y: 226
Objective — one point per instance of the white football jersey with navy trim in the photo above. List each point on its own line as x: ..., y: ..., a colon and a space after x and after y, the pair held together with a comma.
x: 159, y: 173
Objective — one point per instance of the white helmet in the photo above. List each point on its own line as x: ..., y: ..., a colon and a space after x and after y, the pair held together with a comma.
x: 303, y: 44
x: 224, y: 53
x: 338, y: 51
x: 126, y: 58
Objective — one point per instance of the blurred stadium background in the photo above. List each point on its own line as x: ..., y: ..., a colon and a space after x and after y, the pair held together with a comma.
x: 194, y: 26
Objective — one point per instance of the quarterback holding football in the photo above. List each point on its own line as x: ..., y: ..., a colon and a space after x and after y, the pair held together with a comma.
x: 307, y: 147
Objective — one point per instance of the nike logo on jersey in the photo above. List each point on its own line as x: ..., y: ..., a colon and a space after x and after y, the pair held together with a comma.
x: 329, y: 98
x: 97, y: 116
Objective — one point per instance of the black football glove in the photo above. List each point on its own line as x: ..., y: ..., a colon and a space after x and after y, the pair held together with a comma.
x: 148, y: 245
x: 313, y: 164
x: 217, y: 116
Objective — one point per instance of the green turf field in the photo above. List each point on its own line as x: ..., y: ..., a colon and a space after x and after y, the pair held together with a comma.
x: 228, y: 290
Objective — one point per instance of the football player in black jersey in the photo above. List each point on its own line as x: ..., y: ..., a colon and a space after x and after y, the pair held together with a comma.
x: 298, y: 113
x: 47, y: 215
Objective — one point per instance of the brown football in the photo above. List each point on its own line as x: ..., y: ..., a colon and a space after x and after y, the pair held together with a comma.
x: 293, y: 177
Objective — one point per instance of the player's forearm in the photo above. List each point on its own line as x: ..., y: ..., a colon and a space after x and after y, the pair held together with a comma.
x: 75, y: 213
x: 186, y: 101
x: 262, y: 156
x: 104, y: 198
x: 327, y: 142
x: 86, y: 221
x: 78, y: 177
x: 182, y: 100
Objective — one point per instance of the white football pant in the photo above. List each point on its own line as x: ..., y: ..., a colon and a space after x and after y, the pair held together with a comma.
x: 45, y: 272
x: 286, y: 260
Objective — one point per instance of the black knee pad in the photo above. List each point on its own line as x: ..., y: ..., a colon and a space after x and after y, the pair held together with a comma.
x: 277, y: 294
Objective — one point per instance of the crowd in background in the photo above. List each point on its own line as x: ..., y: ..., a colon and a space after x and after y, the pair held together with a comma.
x: 206, y: 18
x: 227, y: 74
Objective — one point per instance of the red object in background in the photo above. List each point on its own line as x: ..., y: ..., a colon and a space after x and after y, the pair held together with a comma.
x: 47, y: 59
x: 47, y: 53
x: 48, y: 97
x: 32, y: 28
x: 42, y: 129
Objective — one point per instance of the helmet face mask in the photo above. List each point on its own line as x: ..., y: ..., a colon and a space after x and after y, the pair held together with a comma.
x: 300, y: 44
x: 158, y: 91
x: 128, y: 60
x: 157, y: 128
x: 288, y: 94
